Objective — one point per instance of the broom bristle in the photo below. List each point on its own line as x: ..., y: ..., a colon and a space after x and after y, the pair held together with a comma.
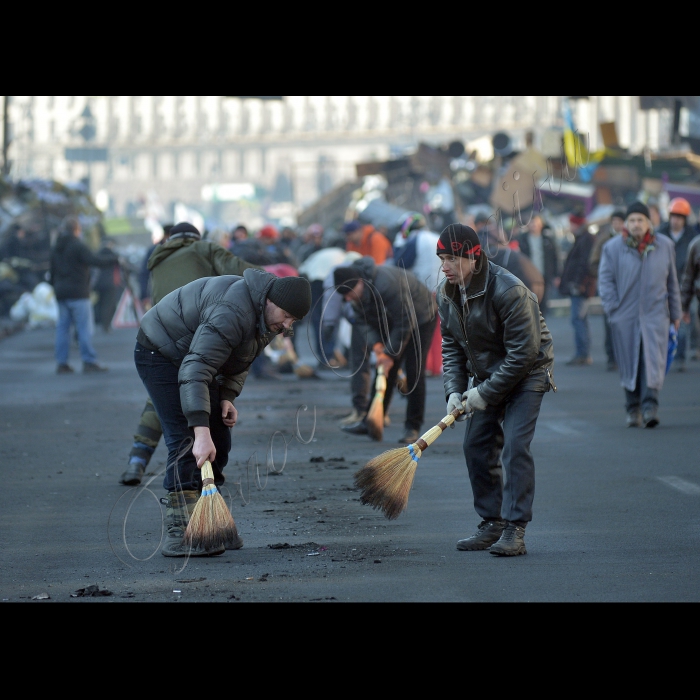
x: 375, y: 416
x: 385, y: 482
x: 211, y: 523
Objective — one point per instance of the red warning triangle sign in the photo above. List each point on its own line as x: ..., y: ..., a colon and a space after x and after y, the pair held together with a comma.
x: 129, y: 311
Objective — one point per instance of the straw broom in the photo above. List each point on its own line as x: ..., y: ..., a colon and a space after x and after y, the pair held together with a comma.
x: 375, y: 415
x: 385, y: 481
x: 211, y: 523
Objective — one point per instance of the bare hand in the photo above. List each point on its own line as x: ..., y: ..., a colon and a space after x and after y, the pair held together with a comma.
x: 686, y: 318
x: 677, y: 324
x: 229, y: 414
x: 385, y: 362
x: 203, y: 448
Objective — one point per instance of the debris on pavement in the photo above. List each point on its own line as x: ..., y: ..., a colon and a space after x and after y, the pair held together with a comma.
x: 90, y: 592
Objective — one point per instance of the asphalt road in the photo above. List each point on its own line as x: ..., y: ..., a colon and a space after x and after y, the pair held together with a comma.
x: 616, y: 514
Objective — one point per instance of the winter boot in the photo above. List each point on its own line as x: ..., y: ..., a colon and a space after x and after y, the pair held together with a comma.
x: 179, y: 507
x: 134, y: 472
x: 487, y: 533
x: 512, y: 542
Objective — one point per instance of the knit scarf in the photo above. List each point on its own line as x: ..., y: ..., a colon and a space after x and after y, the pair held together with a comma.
x: 647, y: 243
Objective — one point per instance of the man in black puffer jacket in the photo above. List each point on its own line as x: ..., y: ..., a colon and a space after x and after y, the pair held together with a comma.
x: 193, y: 353
x: 399, y: 312
x: 497, y: 364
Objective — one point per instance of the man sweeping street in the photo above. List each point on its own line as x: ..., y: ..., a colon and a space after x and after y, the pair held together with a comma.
x: 498, y: 360
x: 181, y: 258
x: 399, y: 314
x: 193, y: 353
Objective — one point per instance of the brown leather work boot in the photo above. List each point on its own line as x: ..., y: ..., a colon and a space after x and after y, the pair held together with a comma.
x: 511, y: 543
x: 487, y: 534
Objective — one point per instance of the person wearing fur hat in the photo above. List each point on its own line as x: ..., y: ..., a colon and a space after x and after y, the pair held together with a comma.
x: 193, y: 351
x: 498, y: 361
x: 640, y: 294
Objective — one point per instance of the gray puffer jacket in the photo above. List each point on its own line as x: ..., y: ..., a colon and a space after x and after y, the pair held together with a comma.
x: 212, y: 329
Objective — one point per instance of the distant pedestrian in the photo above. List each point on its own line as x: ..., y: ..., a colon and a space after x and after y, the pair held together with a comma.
x: 367, y: 241
x: 681, y: 232
x: 640, y: 294
x: 414, y: 250
x: 316, y: 268
x: 221, y: 237
x: 511, y: 258
x: 690, y: 282
x: 69, y: 275
x: 109, y: 285
x: 311, y: 242
x: 239, y: 233
x: 577, y: 283
x: 541, y: 248
x: 605, y: 233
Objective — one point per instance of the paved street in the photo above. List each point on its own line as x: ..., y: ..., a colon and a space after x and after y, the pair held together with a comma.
x: 616, y: 514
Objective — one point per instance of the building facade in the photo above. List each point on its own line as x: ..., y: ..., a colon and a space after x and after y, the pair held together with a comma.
x: 290, y: 152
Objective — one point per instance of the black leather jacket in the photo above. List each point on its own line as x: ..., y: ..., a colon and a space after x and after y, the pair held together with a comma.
x: 212, y: 329
x: 394, y: 304
x: 499, y: 337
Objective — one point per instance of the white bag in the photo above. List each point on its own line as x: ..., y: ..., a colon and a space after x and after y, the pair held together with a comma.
x: 20, y: 309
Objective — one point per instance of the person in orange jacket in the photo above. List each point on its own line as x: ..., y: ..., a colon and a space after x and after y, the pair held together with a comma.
x: 367, y: 241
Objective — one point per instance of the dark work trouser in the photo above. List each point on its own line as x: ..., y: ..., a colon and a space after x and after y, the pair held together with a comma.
x: 497, y: 451
x: 609, y: 349
x: 319, y: 345
x: 160, y: 377
x: 413, y: 360
x: 642, y: 398
x: 360, y: 368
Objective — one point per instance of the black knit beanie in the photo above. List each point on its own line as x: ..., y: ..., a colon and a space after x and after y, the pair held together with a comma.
x: 461, y: 241
x: 292, y: 294
x: 345, y: 279
x: 184, y: 227
x: 638, y: 208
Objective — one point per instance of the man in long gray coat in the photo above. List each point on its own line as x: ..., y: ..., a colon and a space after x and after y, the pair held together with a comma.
x: 638, y: 287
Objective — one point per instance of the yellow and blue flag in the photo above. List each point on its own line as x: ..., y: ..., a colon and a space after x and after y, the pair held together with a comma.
x: 577, y: 154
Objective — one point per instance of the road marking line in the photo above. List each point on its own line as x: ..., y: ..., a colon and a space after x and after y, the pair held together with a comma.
x: 687, y: 487
x: 563, y: 428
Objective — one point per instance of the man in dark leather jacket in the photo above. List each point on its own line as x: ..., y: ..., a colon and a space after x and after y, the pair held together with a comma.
x: 497, y: 364
x: 399, y: 312
x: 193, y: 353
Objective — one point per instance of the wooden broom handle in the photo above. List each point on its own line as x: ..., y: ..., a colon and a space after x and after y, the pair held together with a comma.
x: 423, y: 445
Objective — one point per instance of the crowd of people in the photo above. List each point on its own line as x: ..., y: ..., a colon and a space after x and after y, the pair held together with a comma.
x: 468, y: 304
